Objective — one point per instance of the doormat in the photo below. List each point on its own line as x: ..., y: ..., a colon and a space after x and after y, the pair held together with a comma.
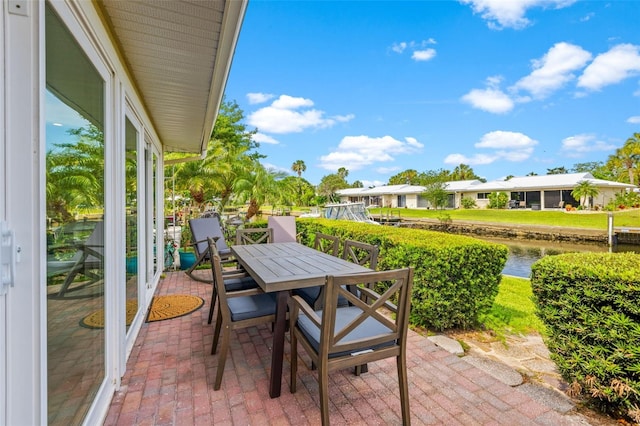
x: 162, y: 308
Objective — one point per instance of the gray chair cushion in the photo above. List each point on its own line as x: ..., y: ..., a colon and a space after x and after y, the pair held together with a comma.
x: 251, y: 306
x: 310, y: 294
x: 235, y: 284
x: 369, y: 328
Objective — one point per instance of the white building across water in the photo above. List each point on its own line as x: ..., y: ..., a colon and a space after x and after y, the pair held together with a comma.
x: 533, y: 192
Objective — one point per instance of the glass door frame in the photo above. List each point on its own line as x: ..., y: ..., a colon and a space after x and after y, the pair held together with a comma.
x: 112, y: 246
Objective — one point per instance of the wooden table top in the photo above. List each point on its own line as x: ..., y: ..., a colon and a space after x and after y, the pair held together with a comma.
x: 286, y: 266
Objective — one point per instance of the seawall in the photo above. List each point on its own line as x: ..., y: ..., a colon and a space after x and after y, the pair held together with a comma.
x: 511, y: 231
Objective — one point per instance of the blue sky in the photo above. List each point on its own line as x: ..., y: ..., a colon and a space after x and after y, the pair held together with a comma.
x: 378, y: 87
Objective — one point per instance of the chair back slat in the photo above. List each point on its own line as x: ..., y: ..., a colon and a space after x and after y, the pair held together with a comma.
x: 361, y: 253
x: 254, y: 236
x: 326, y: 243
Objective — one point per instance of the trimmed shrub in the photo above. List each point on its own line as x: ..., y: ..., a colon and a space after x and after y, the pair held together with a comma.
x: 456, y: 278
x: 590, y: 305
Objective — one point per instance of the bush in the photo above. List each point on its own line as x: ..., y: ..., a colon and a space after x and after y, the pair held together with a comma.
x: 456, y: 278
x: 468, y: 203
x: 498, y: 200
x: 590, y: 305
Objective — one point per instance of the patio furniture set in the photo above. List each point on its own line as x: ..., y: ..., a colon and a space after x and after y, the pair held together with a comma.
x: 326, y: 302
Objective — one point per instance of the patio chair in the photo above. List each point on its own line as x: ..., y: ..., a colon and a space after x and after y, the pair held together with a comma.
x: 363, y: 254
x: 201, y: 229
x: 88, y: 260
x: 284, y: 228
x: 236, y: 309
x: 234, y: 280
x: 346, y: 336
x: 327, y: 244
x: 254, y: 236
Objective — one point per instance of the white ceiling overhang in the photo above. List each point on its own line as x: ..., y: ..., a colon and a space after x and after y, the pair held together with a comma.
x: 178, y: 53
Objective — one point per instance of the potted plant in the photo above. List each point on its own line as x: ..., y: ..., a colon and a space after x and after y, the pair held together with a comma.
x: 186, y: 252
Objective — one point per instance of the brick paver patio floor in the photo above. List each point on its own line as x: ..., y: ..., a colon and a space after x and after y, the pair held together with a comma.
x: 170, y: 374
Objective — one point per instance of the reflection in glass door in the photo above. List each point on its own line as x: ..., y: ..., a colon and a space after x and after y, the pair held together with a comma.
x: 131, y: 199
x: 75, y: 214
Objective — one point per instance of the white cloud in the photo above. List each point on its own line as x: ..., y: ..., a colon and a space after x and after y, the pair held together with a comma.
x: 262, y: 138
x: 501, y: 139
x: 574, y: 146
x: 490, y: 100
x: 587, y: 17
x: 510, y: 13
x: 289, y: 102
x: 634, y: 120
x: 619, y: 63
x: 420, y: 50
x: 387, y: 170
x: 275, y: 168
x: 476, y: 160
x: 399, y: 47
x: 423, y: 55
x: 508, y: 146
x: 370, y: 183
x: 289, y: 114
x: 258, y: 98
x: 553, y: 70
x: 357, y: 152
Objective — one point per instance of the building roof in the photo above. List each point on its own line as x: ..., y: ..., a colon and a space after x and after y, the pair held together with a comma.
x: 561, y: 181
x: 178, y: 54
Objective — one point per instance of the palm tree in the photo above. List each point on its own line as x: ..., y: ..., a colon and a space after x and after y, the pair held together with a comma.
x: 629, y: 156
x: 583, y: 191
x: 259, y: 186
x: 299, y: 167
x: 463, y: 172
x: 75, y: 174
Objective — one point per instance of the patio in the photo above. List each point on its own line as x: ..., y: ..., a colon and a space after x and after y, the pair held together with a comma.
x: 169, y: 381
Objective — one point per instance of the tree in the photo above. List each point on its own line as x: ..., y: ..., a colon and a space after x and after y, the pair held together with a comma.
x: 259, y: 187
x: 343, y: 173
x: 436, y: 194
x: 75, y: 174
x: 408, y: 177
x: 463, y: 172
x: 557, y: 171
x: 357, y: 184
x: 532, y: 174
x: 299, y: 167
x: 583, y: 191
x: 626, y: 159
x: 329, y: 184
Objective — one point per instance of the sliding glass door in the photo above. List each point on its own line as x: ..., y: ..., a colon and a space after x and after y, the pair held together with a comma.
x: 75, y: 213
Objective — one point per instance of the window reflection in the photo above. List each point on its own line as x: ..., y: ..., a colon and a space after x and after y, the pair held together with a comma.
x: 75, y: 228
x: 131, y: 198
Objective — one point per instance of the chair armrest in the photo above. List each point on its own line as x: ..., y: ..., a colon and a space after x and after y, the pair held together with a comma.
x: 298, y: 303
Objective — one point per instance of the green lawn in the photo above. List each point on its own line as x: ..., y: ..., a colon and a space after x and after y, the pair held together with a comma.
x: 591, y: 220
x: 513, y: 311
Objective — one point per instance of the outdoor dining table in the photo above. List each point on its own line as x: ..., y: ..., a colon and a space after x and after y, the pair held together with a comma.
x: 280, y: 268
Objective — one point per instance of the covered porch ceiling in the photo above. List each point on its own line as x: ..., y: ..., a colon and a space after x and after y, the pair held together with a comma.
x: 178, y: 53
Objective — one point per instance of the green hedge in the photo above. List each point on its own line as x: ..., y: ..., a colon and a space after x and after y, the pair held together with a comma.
x: 456, y: 278
x: 590, y: 304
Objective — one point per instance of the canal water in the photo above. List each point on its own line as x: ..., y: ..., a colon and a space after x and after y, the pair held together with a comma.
x: 522, y: 254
